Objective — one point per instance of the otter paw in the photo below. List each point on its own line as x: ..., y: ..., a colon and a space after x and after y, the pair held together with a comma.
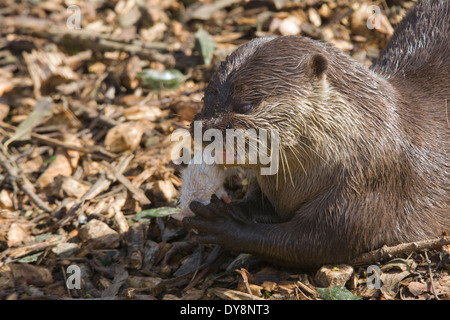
x: 214, y: 223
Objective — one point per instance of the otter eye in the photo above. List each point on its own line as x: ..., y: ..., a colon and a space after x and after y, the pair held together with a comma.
x: 242, y: 108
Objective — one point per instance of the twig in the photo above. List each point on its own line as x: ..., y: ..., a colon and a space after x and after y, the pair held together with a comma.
x: 74, y: 209
x: 388, y: 252
x: 80, y: 109
x: 243, y: 273
x: 88, y: 39
x: 94, y: 150
x: 102, y: 184
x: 303, y: 287
x: 15, y: 253
x: 205, y: 268
x: 28, y: 189
x: 431, y: 276
x: 299, y: 292
x: 138, y: 194
x: 19, y: 179
x: 65, y: 281
x: 99, y: 186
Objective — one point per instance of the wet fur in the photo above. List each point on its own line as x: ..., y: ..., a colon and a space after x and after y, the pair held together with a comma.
x: 364, y: 152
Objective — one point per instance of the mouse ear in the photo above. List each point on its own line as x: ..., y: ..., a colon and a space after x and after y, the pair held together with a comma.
x: 317, y: 65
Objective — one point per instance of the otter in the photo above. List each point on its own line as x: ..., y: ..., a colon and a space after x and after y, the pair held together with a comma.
x: 364, y: 152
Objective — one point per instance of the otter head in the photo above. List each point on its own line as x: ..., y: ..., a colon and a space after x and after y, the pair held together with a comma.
x: 271, y: 83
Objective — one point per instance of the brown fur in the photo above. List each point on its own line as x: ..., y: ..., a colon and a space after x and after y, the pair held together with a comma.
x: 364, y: 153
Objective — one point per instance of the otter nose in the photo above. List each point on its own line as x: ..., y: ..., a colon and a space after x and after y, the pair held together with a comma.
x: 212, y: 123
x: 218, y: 122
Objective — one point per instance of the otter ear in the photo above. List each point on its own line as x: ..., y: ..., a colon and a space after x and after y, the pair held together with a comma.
x: 317, y: 65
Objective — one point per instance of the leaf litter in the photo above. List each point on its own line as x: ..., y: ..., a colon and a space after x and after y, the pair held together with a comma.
x: 86, y: 114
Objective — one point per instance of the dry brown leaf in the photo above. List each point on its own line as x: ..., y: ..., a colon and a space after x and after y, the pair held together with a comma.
x: 142, y: 112
x: 18, y: 234
x: 152, y: 285
x: 290, y: 26
x: 33, y: 164
x: 130, y: 71
x: 165, y: 190
x: 125, y: 136
x: 255, y: 289
x: 325, y: 11
x: 30, y: 274
x: 4, y: 108
x: 14, y: 228
x: 121, y: 222
x: 6, y: 277
x: 417, y: 288
x: 5, y: 86
x: 97, y: 68
x: 64, y: 186
x: 269, y: 286
x: 47, y: 69
x: 314, y: 17
x: 154, y: 33
x: 59, y: 166
x: 5, y: 199
x: 287, y: 287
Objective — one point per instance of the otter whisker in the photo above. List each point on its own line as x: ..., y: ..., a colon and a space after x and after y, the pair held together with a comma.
x: 306, y: 145
x: 283, y: 153
x: 298, y: 160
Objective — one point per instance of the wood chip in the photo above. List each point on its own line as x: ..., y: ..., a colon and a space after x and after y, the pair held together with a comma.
x: 99, y: 235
